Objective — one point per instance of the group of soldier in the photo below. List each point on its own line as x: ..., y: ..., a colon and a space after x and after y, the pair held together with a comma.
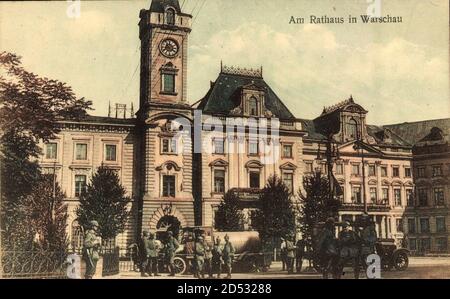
x: 351, y: 246
x: 208, y: 259
x: 291, y: 254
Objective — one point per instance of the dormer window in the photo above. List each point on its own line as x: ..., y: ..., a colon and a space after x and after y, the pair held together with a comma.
x: 170, y: 16
x: 352, y: 129
x: 253, y: 106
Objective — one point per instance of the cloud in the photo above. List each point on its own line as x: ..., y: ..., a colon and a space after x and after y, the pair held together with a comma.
x: 310, y: 66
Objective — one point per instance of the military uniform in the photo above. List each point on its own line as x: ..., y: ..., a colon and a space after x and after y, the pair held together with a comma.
x: 327, y: 249
x: 228, y: 256
x: 348, y: 241
x: 144, y: 244
x: 217, y: 258
x: 208, y: 259
x: 290, y: 256
x: 171, y: 247
x: 199, y: 258
x: 299, y: 253
x: 369, y: 239
x: 153, y: 252
x: 90, y: 251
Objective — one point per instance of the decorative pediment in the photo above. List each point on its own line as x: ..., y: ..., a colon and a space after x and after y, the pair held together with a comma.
x: 353, y: 147
x: 409, y: 184
x: 288, y: 166
x: 385, y: 183
x: 218, y: 163
x: 340, y: 181
x: 168, y: 165
x: 253, y: 164
x: 397, y: 183
x: 439, y: 181
x: 252, y: 86
x: 372, y: 182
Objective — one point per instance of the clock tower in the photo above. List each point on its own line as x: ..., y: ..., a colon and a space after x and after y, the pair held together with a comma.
x: 165, y: 166
x: 163, y: 31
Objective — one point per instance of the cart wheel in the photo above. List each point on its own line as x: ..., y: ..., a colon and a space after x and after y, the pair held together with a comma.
x: 401, y: 261
x: 180, y: 265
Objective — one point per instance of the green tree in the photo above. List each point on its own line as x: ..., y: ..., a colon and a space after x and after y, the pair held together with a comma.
x: 30, y: 108
x: 229, y: 216
x: 105, y: 201
x: 47, y: 214
x: 315, y: 204
x: 275, y: 216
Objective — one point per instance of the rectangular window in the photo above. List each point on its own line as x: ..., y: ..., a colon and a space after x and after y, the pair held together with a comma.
x: 424, y: 225
x: 309, y: 167
x: 111, y: 152
x: 398, y: 197
x: 385, y: 195
x: 412, y: 244
x: 80, y: 185
x: 355, y: 169
x: 423, y: 197
x: 356, y: 194
x: 169, y: 83
x: 81, y: 151
x: 407, y: 172
x: 412, y: 225
x: 440, y: 225
x: 409, y: 198
x: 438, y: 196
x: 425, y: 245
x: 373, y: 194
x: 168, y: 186
x: 219, y: 146
x: 395, y: 171
x: 219, y: 181
x: 287, y: 151
x: 169, y: 146
x: 339, y: 169
x: 441, y: 244
x: 254, y: 179
x: 372, y: 169
x: 383, y: 171
x: 288, y: 180
x: 437, y: 170
x: 421, y: 172
x: 253, y: 147
x: 51, y: 151
x: 399, y: 224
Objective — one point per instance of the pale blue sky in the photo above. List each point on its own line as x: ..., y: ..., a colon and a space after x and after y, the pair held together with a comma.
x: 399, y: 72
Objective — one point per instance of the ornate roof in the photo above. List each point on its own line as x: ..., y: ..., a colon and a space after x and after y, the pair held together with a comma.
x: 224, y: 94
x: 160, y: 5
x: 341, y: 106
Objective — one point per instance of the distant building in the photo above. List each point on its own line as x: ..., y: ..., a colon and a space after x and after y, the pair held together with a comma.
x: 427, y: 216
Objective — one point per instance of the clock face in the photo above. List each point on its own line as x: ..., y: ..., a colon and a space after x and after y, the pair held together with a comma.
x: 169, y: 48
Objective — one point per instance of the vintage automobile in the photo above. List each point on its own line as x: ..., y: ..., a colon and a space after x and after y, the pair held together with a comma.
x: 391, y: 256
x: 248, y: 256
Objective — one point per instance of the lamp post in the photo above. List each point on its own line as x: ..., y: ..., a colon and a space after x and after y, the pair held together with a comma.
x: 331, y: 156
x: 359, y: 147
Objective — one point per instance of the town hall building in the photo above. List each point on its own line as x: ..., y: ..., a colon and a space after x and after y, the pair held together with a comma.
x: 177, y: 181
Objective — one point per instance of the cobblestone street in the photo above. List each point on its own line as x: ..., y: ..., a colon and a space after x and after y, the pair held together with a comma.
x: 419, y: 268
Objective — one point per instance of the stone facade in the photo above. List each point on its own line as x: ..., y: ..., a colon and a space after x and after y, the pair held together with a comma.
x: 177, y: 180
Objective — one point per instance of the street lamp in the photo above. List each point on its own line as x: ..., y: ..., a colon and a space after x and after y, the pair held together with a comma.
x: 331, y: 156
x: 359, y: 147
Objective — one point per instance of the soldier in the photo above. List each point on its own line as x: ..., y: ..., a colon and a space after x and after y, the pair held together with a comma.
x: 327, y: 249
x: 228, y: 255
x: 199, y: 257
x: 144, y: 254
x: 299, y: 253
x: 171, y: 247
x: 283, y: 254
x: 290, y: 255
x: 368, y: 238
x: 208, y: 259
x: 91, y: 246
x: 217, y: 257
x: 153, y: 252
x: 349, y: 245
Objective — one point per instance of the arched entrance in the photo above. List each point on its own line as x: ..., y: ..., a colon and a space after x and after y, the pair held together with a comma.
x: 169, y: 223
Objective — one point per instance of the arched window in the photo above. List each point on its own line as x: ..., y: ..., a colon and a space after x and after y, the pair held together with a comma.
x: 170, y: 16
x: 253, y: 106
x: 352, y: 129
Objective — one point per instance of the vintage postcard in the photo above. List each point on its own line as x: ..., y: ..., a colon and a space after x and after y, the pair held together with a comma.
x: 218, y: 139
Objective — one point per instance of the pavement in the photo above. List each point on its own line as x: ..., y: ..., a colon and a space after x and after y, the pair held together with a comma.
x: 419, y: 268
